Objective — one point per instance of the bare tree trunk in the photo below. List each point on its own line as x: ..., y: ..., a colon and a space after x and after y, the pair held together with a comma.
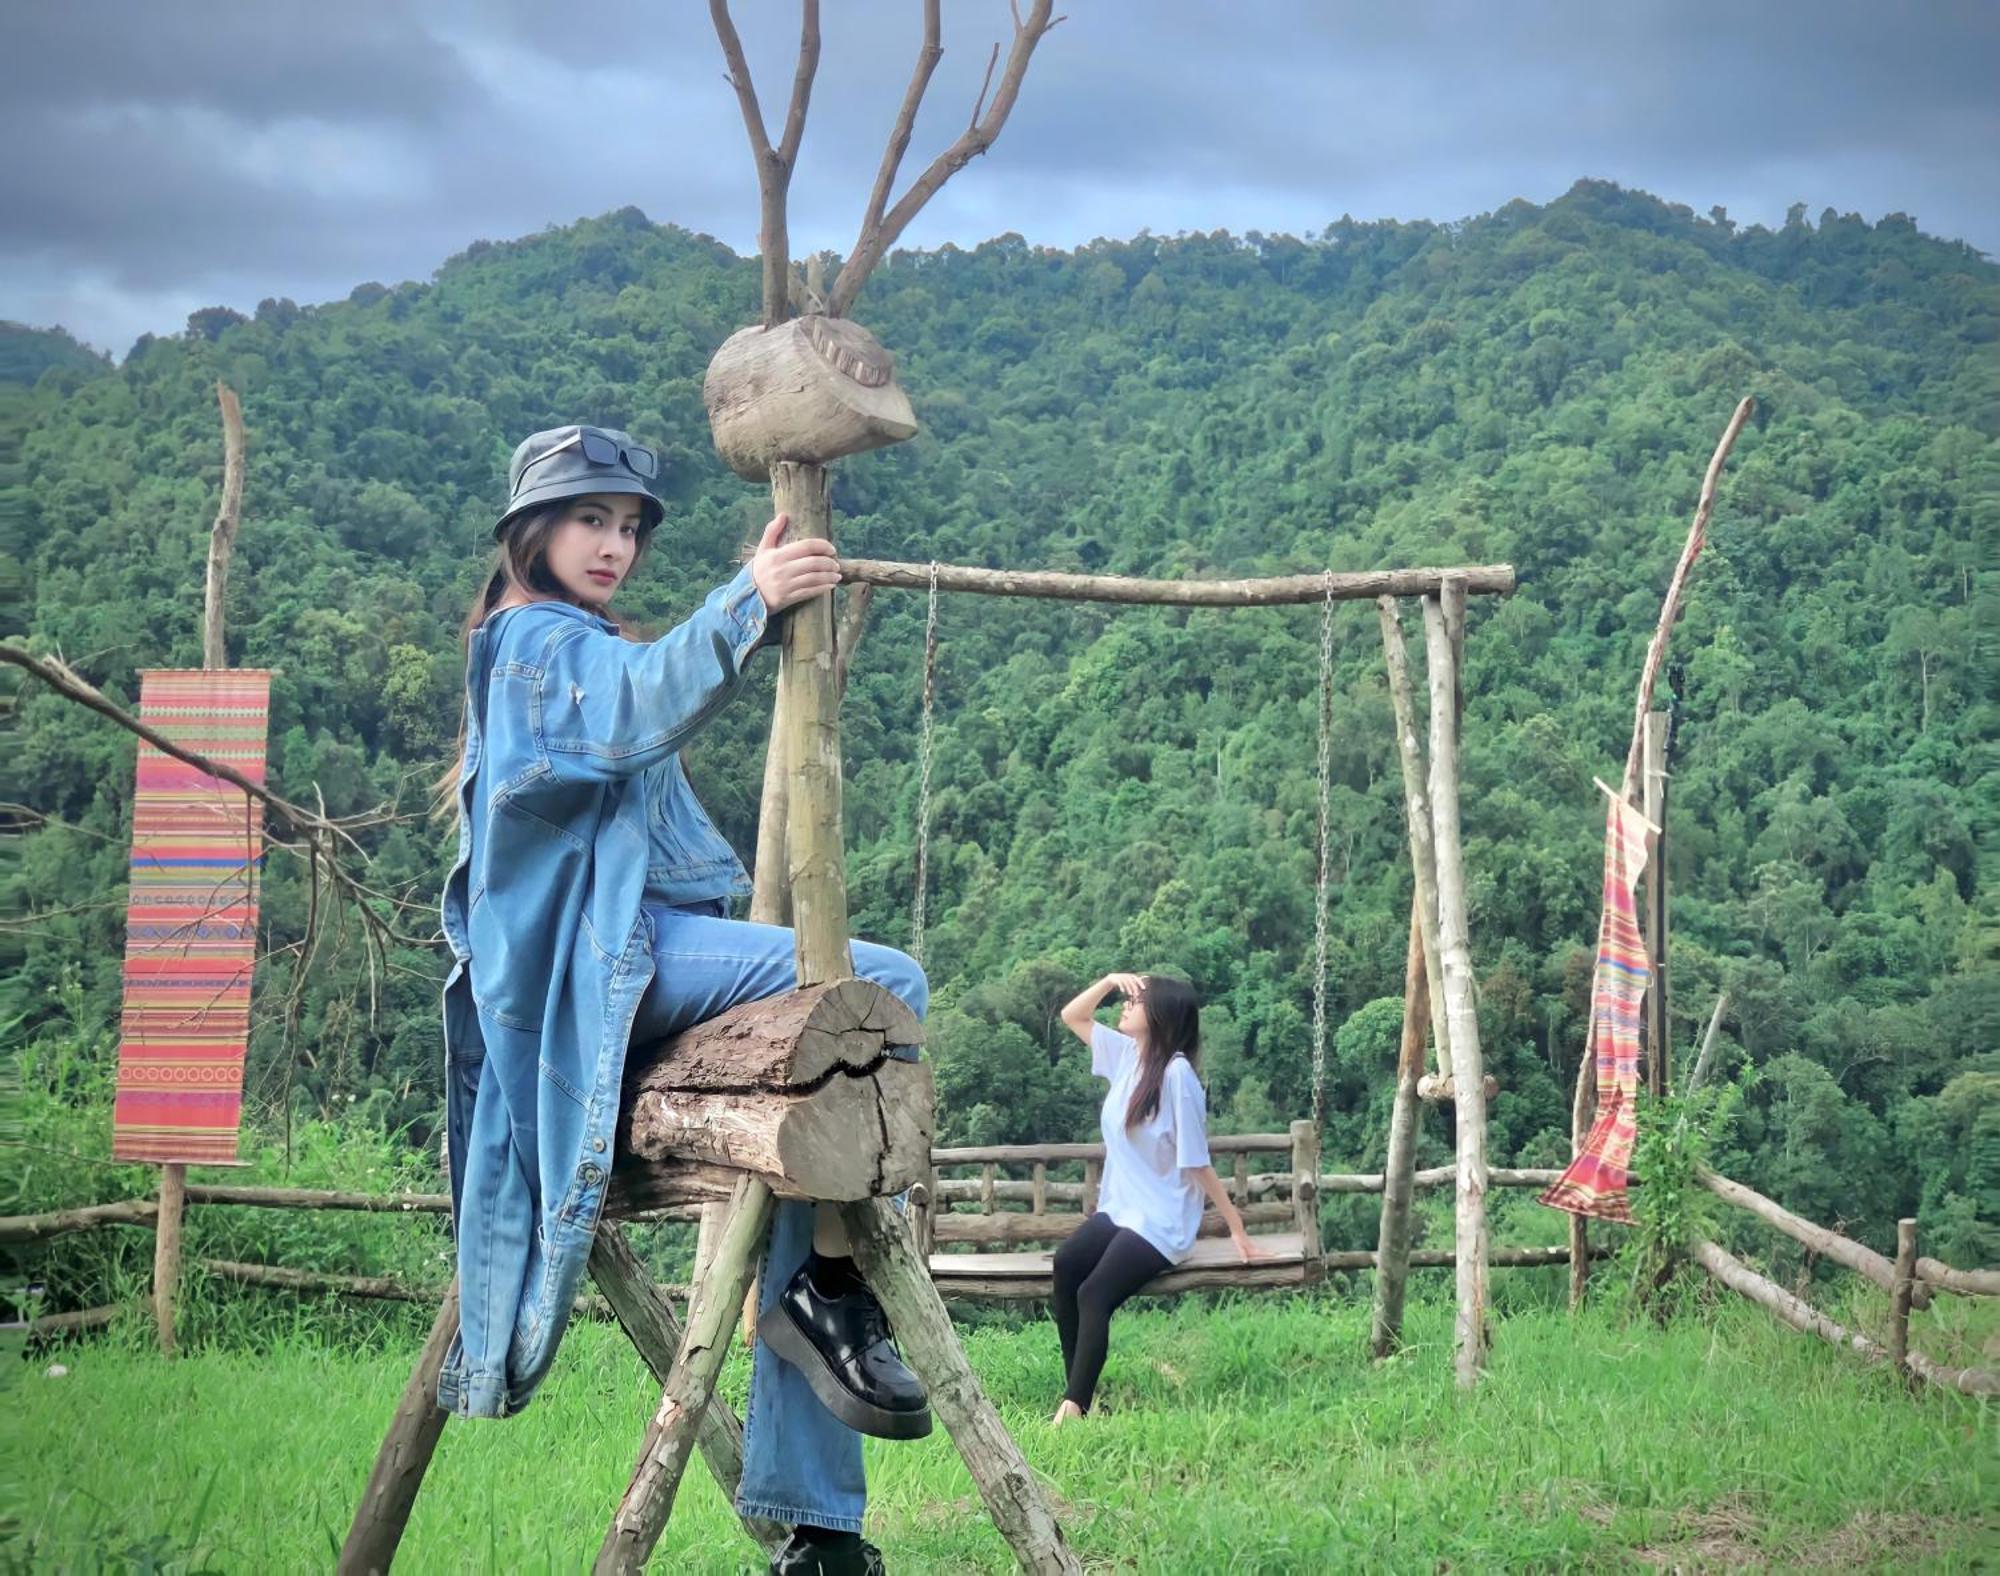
x: 1392, y: 1243
x: 1454, y: 946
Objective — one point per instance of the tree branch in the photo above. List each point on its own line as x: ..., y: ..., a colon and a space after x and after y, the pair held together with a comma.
x: 876, y: 239
x: 1670, y: 609
x: 774, y: 165
x: 906, y: 118
x: 318, y: 830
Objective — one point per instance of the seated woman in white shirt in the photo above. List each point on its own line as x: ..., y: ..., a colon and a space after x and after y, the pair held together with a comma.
x: 1156, y: 1166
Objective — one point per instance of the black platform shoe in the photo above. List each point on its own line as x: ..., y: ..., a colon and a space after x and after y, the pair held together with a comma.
x: 829, y: 1326
x: 810, y: 1555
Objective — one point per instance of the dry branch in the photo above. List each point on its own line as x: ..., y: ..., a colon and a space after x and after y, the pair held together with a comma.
x: 222, y: 538
x: 320, y: 832
x: 879, y: 231
x: 1671, y: 608
x: 774, y: 165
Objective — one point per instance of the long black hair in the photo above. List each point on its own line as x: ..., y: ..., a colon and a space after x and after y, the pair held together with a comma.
x: 1173, y: 1028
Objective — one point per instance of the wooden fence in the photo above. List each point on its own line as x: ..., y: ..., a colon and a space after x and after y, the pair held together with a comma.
x: 1909, y: 1280
x: 981, y: 1211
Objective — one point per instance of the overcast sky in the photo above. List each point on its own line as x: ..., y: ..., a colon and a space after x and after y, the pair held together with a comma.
x: 169, y: 156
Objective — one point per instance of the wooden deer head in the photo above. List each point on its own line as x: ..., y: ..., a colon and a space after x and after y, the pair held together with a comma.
x: 816, y: 387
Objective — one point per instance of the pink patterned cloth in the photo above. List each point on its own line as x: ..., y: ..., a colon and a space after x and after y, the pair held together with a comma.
x: 1596, y: 1181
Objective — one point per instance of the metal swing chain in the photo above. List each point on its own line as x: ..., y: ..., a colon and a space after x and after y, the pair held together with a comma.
x: 1325, y: 830
x: 924, y: 772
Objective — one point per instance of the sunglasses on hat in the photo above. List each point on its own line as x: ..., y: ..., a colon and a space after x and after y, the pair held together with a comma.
x: 600, y: 450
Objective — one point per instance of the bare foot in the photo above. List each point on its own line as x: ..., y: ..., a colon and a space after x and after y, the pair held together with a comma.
x: 1065, y: 1412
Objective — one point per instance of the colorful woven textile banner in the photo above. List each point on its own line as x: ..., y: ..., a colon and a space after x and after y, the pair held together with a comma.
x: 191, y: 920
x: 1596, y: 1181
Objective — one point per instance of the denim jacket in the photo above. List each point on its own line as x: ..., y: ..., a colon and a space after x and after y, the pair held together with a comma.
x: 572, y: 806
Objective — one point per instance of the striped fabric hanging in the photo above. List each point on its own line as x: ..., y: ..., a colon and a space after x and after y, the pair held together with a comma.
x: 1596, y: 1181
x: 191, y: 920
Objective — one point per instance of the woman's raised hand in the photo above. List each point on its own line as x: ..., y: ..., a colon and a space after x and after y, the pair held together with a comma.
x: 1127, y: 985
x: 789, y: 572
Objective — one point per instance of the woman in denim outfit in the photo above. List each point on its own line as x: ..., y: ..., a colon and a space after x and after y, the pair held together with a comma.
x: 587, y: 910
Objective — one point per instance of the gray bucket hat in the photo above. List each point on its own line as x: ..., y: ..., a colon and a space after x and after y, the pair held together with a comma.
x: 575, y: 461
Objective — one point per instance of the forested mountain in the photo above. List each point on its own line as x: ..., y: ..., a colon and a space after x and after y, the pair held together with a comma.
x: 1134, y: 788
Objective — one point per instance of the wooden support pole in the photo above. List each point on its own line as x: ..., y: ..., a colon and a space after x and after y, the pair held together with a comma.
x: 1392, y: 1240
x: 1455, y: 955
x: 810, y: 706
x: 1006, y: 1482
x: 167, y: 1251
x: 1659, y: 1044
x: 882, y: 1248
x: 649, y: 1498
x: 1417, y: 816
x: 1899, y: 1297
x: 646, y: 1315
x: 404, y: 1457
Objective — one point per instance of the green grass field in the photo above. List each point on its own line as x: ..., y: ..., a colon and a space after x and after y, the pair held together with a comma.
x: 1244, y: 1435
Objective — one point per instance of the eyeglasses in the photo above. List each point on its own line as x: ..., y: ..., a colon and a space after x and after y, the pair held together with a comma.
x: 600, y: 450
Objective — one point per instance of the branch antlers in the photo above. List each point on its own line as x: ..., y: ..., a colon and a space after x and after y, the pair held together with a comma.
x: 881, y: 224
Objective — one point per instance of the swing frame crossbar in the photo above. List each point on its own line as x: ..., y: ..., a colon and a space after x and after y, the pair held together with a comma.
x: 1267, y: 591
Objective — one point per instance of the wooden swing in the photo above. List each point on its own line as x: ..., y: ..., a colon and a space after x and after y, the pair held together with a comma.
x: 995, y: 1270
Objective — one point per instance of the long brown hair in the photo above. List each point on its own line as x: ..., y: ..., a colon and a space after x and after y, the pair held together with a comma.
x: 1173, y: 1028
x: 521, y: 563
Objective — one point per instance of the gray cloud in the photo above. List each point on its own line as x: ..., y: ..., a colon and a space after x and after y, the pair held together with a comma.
x: 218, y: 151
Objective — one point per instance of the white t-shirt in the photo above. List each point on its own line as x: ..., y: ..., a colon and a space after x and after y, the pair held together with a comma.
x: 1146, y: 1186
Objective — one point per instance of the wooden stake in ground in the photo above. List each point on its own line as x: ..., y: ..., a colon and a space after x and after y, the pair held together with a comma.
x: 1899, y: 1298
x: 1454, y: 947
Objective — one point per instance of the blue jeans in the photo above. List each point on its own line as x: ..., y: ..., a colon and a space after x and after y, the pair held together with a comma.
x: 800, y: 1462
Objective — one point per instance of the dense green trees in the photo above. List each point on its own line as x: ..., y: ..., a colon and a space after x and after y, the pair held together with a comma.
x: 1135, y: 788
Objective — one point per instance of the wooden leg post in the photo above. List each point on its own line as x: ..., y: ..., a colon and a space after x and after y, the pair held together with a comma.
x: 167, y: 1251
x: 1392, y: 1242
x: 1455, y: 954
x: 649, y: 1499
x: 1006, y: 1483
x: 647, y: 1318
x: 404, y: 1457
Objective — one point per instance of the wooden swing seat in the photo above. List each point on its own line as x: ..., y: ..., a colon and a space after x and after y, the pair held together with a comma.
x: 1213, y: 1265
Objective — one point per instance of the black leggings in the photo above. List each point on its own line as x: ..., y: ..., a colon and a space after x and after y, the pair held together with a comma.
x: 1095, y: 1271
